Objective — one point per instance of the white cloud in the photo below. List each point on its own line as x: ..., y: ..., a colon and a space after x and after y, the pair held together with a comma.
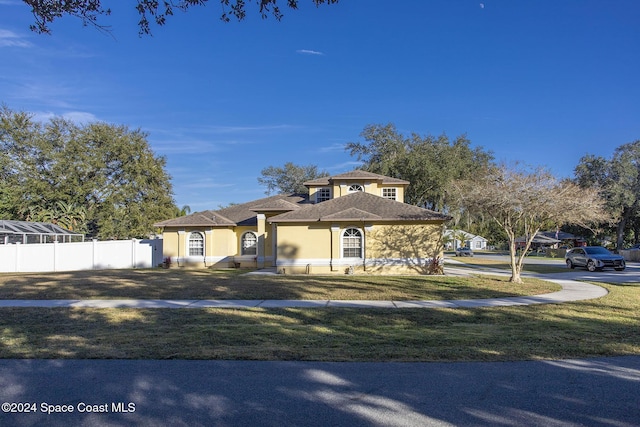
x: 78, y: 117
x: 11, y: 39
x: 309, y: 52
x: 337, y: 147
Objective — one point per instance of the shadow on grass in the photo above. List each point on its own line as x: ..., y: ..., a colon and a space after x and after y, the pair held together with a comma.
x: 208, y: 284
x: 606, y: 326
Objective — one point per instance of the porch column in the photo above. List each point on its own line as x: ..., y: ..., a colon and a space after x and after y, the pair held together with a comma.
x: 260, y: 252
x: 335, y: 247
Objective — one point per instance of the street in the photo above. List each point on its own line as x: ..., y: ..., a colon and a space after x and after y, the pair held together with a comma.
x: 593, y: 392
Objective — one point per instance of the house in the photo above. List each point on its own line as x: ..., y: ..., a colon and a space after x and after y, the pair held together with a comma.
x: 460, y: 238
x: 355, y: 221
x: 551, y: 239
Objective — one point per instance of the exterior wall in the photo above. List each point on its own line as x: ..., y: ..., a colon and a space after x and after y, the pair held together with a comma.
x: 477, y: 243
x: 403, y: 248
x: 304, y: 248
x: 222, y: 248
x: 388, y: 248
x: 219, y: 247
x: 341, y: 188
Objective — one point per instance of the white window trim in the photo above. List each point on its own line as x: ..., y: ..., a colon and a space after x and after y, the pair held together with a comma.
x: 242, y: 248
x: 318, y: 192
x: 204, y: 244
x: 362, y: 244
x: 395, y: 193
x: 349, y: 190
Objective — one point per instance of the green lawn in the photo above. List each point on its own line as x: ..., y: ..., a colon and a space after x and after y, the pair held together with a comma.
x: 601, y: 327
x: 232, y: 284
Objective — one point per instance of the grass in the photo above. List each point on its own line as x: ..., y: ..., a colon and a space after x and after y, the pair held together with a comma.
x: 231, y: 284
x: 504, y: 265
x: 602, y: 327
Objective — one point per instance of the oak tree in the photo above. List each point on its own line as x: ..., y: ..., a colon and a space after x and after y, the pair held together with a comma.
x: 618, y: 180
x: 288, y: 179
x: 150, y: 11
x: 429, y: 163
x: 97, y: 178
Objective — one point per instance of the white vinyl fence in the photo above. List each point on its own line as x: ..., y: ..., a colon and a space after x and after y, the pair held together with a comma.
x: 93, y: 255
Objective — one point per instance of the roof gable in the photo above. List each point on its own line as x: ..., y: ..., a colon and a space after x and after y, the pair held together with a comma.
x: 358, y: 206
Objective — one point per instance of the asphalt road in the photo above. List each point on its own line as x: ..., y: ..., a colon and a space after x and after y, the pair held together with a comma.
x: 630, y: 275
x: 595, y: 392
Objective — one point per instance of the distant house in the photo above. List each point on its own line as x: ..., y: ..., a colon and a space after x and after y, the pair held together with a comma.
x: 35, y: 232
x: 355, y: 221
x: 551, y: 239
x: 460, y: 238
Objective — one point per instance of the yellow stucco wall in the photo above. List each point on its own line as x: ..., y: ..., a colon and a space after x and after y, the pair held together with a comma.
x: 388, y: 248
x: 304, y: 241
x: 315, y: 248
x: 339, y: 189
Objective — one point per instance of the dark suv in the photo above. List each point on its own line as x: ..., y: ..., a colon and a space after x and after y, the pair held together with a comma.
x: 593, y: 258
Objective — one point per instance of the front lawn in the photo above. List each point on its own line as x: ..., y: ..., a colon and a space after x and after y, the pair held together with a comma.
x: 232, y: 284
x: 602, y: 327
x: 606, y: 326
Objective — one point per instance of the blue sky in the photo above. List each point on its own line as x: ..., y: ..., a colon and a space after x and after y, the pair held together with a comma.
x: 543, y: 82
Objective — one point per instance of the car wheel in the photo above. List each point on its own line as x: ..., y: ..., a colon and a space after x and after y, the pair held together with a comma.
x: 591, y: 265
x: 570, y: 264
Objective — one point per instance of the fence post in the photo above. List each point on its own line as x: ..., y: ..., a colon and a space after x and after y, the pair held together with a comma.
x: 133, y: 253
x: 94, y: 253
x: 18, y: 246
x: 55, y: 255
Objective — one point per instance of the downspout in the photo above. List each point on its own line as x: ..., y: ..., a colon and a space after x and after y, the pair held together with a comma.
x: 364, y: 245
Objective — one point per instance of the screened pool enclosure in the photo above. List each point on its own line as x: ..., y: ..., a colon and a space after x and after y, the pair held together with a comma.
x: 35, y: 232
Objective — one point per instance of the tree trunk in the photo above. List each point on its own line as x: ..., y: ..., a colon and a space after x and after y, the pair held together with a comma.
x: 515, y: 267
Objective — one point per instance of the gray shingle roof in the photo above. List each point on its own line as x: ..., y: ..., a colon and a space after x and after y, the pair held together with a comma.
x: 359, y: 206
x: 356, y: 175
x: 242, y: 214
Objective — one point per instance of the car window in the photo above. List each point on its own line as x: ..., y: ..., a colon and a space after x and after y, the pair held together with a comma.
x: 597, y: 251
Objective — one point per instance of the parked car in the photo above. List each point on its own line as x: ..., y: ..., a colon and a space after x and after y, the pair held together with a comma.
x: 593, y: 258
x: 636, y: 246
x: 464, y: 252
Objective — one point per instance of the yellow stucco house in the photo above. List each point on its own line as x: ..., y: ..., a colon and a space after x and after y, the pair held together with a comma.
x: 351, y: 222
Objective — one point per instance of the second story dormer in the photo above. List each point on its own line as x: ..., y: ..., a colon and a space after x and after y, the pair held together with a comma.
x: 331, y: 187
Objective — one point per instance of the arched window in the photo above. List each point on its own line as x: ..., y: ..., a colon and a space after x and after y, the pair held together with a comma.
x: 196, y: 244
x: 249, y: 243
x: 355, y: 187
x: 352, y: 243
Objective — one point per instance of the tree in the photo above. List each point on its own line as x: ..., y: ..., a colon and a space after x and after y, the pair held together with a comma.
x: 88, y: 11
x: 429, y: 163
x: 289, y: 179
x: 522, y: 201
x: 184, y: 211
x: 618, y: 180
x: 99, y: 178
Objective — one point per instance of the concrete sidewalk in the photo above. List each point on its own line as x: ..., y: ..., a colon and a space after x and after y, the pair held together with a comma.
x: 571, y: 291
